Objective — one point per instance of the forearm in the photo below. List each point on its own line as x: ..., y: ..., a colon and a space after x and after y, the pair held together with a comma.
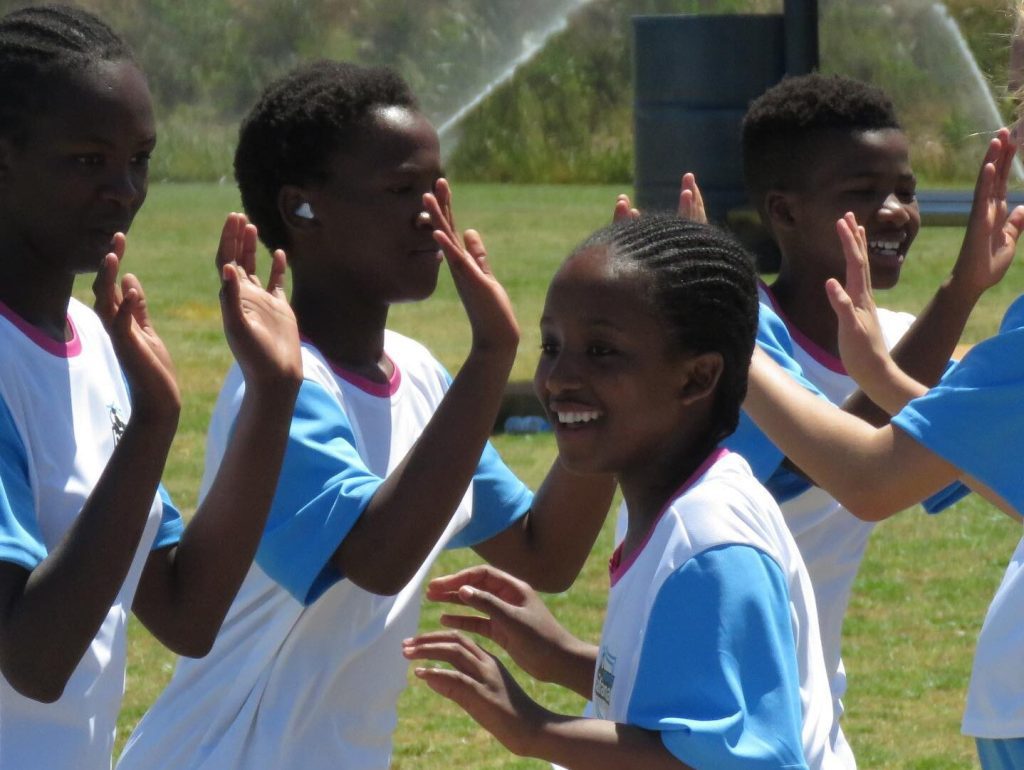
x: 186, y: 591
x: 549, y: 546
x: 577, y: 661
x: 874, y: 472
x: 51, y: 617
x: 414, y: 504
x: 593, y: 744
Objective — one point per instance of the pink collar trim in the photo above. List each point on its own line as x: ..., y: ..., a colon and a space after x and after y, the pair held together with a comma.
x: 814, y: 350
x: 365, y: 384
x: 617, y: 567
x: 68, y: 349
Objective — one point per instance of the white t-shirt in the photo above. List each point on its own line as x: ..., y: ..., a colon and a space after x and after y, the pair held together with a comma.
x: 974, y: 419
x: 831, y: 539
x: 307, y: 669
x: 711, y: 636
x: 63, y: 407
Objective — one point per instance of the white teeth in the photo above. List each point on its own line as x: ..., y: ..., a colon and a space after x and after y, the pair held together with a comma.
x: 567, y: 418
x: 884, y: 245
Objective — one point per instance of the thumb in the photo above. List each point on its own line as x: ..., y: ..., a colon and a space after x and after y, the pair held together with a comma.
x: 840, y: 301
x: 484, y: 601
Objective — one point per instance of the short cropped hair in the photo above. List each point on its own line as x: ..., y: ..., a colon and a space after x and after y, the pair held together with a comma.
x: 298, y: 123
x: 780, y: 126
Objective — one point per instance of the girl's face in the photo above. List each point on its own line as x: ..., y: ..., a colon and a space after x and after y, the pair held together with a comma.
x: 80, y: 174
x: 613, y: 387
x: 372, y: 242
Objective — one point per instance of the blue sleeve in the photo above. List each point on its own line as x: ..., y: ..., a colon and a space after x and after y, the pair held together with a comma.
x: 324, y: 487
x: 718, y: 674
x: 748, y: 441
x: 499, y: 500
x: 974, y: 417
x: 171, y: 527
x: 21, y: 542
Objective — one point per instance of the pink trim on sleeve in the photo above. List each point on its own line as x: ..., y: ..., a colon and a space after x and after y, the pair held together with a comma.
x: 815, y: 351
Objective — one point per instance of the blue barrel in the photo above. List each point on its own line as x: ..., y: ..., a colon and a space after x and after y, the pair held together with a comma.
x: 694, y: 77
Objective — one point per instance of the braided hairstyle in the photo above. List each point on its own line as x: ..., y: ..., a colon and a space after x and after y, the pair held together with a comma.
x: 702, y: 283
x: 42, y: 43
x: 780, y: 129
x: 300, y: 120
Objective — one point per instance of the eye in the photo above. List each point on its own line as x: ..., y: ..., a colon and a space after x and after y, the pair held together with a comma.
x: 90, y: 159
x: 400, y: 189
x: 548, y: 348
x: 907, y: 196
x: 600, y: 350
x: 142, y: 159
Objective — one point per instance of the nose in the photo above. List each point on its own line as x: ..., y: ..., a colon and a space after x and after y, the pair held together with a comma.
x: 422, y: 221
x: 894, y: 210
x: 125, y: 185
x: 557, y: 374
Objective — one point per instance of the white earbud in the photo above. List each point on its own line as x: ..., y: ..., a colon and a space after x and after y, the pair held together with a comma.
x: 304, y: 210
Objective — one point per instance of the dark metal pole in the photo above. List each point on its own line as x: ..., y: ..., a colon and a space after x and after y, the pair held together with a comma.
x: 801, y: 25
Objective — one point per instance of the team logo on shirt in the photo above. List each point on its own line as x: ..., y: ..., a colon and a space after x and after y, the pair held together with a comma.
x: 604, y: 678
x: 117, y: 422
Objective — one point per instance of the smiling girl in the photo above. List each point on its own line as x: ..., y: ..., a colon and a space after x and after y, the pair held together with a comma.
x: 710, y: 654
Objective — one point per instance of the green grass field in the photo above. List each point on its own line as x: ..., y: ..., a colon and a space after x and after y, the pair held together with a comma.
x: 923, y: 588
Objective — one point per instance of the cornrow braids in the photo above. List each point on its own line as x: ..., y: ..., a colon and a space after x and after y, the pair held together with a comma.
x: 780, y: 126
x: 703, y: 284
x: 40, y: 43
x: 300, y: 120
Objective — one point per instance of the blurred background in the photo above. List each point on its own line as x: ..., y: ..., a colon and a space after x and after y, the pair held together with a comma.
x: 540, y: 91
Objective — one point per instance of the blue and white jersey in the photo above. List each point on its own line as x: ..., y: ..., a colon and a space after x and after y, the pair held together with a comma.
x: 63, y: 407
x: 711, y: 636
x: 307, y: 669
x: 974, y: 419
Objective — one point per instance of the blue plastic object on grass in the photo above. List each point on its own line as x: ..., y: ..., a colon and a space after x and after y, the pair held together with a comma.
x: 526, y: 424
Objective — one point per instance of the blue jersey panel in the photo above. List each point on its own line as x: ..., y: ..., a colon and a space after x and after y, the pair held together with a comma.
x: 324, y: 487
x: 974, y: 418
x: 718, y: 674
x: 748, y: 441
x: 20, y: 539
x: 171, y: 527
x: 499, y: 500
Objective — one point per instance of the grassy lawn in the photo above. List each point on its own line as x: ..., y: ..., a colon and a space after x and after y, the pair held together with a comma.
x: 923, y: 589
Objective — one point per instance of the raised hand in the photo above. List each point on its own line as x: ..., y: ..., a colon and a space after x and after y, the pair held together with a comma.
x: 480, y: 685
x: 691, y: 202
x: 259, y: 323
x: 143, y: 357
x: 487, y: 304
x: 690, y: 208
x: 514, y: 617
x: 992, y: 233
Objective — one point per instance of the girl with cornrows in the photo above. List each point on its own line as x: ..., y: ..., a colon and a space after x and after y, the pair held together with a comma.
x: 89, y: 402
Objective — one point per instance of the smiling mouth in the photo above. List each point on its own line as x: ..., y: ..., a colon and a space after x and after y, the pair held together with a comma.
x: 577, y: 417
x: 891, y: 249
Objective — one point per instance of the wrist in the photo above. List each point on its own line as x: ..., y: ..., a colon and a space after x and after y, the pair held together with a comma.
x: 959, y: 289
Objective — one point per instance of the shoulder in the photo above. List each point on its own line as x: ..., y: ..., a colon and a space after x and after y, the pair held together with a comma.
x: 895, y: 324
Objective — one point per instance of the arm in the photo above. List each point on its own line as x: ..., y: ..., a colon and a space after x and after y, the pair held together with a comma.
x: 382, y: 551
x: 874, y: 472
x: 186, y: 590
x: 515, y: 618
x: 548, y: 547
x: 51, y: 613
x: 485, y: 689
x: 985, y: 256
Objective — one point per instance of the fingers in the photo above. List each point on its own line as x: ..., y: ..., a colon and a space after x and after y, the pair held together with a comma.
x: 475, y: 246
x: 130, y: 284
x: 840, y: 301
x: 449, y: 647
x: 691, y: 202
x: 1005, y: 163
x: 278, y: 271
x: 230, y: 245
x: 624, y: 209
x: 439, y: 207
x: 483, y: 577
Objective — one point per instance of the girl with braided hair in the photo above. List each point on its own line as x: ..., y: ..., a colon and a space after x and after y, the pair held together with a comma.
x: 89, y: 402
x: 710, y: 654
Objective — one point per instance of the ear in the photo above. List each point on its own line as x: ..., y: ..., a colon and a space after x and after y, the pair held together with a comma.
x: 702, y: 373
x: 780, y: 208
x: 295, y: 209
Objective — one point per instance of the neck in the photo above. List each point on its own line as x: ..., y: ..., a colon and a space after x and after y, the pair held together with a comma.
x: 801, y: 297
x: 38, y: 296
x: 347, y: 332
x: 648, y: 490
